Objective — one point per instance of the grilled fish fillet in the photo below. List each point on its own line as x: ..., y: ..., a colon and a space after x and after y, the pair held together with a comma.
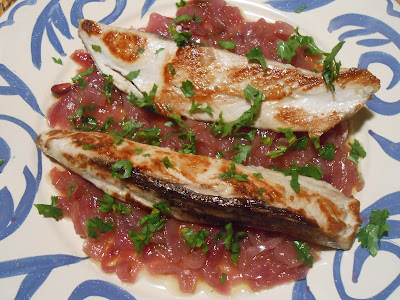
x: 193, y: 188
x: 294, y: 97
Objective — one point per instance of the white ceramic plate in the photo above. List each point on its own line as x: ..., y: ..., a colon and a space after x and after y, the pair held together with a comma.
x: 42, y: 259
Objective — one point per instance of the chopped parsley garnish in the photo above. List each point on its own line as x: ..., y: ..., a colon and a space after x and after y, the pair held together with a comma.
x: 146, y: 101
x: 50, y: 210
x: 70, y: 190
x: 95, y: 224
x: 186, y: 18
x: 107, y: 124
x: 303, y: 252
x: 196, y: 239
x: 128, y: 131
x: 87, y: 123
x: 258, y: 175
x: 300, y: 9
x: 139, y: 51
x: 266, y: 141
x: 223, y: 278
x: 88, y: 147
x: 79, y: 77
x: 152, y: 223
x: 261, y: 191
x: 294, y: 143
x: 330, y: 67
x: 294, y: 171
x: 187, y: 88
x: 125, y: 166
x: 57, y: 60
x: 227, y: 45
x: 159, y: 50
x: 247, y: 135
x: 196, y: 107
x: 181, y: 38
x: 232, y: 174
x: 132, y: 75
x: 356, y: 152
x: 108, y: 86
x: 231, y: 240
x: 370, y: 235
x: 181, y: 3
x: 328, y: 151
x: 146, y: 155
x: 257, y: 55
x: 219, y: 154
x: 2, y: 161
x: 171, y: 69
x: 246, y: 119
x: 96, y: 48
x: 315, y: 141
x: 138, y: 150
x: 108, y: 204
x: 185, y: 135
x: 242, y: 154
x: 167, y: 163
x: 149, y: 136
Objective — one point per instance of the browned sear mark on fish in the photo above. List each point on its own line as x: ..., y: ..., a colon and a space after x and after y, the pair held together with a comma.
x: 126, y: 46
x: 91, y: 28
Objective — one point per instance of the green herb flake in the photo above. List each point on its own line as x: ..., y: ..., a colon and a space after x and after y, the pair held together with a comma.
x: 261, y: 191
x: 107, y: 124
x: 171, y: 69
x: 247, y: 135
x: 167, y: 163
x: 108, y: 86
x: 300, y: 9
x: 303, y: 252
x: 138, y: 151
x: 242, y: 154
x: 88, y: 147
x: 125, y: 166
x: 227, y: 45
x: 108, y: 204
x: 232, y: 174
x: 146, y: 155
x: 50, y: 210
x: 266, y: 141
x: 96, y: 48
x: 196, y: 239
x: 129, y: 129
x: 146, y: 101
x: 196, y: 107
x: 70, y: 190
x: 294, y: 143
x: 315, y: 141
x: 2, y: 161
x: 57, y: 60
x: 132, y: 75
x: 159, y: 50
x: 258, y: 175
x: 181, y: 38
x: 328, y: 151
x: 95, y: 224
x: 370, y: 235
x: 257, y: 55
x: 181, y: 3
x: 187, y: 88
x: 219, y: 154
x: 223, y: 278
x: 356, y: 152
x: 139, y: 51
x: 231, y: 240
x: 149, y: 136
x: 87, y: 123
x: 151, y: 223
x: 79, y: 77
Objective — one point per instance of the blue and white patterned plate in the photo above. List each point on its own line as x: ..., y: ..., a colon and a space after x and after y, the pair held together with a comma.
x: 42, y: 259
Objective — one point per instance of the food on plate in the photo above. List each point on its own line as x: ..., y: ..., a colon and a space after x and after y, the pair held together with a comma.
x: 157, y: 138
x: 216, y: 79
x: 208, y: 190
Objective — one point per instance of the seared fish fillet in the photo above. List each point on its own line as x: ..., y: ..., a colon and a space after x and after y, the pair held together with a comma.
x: 193, y: 188
x: 294, y: 97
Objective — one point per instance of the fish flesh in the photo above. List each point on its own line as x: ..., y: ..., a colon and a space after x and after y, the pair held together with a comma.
x: 294, y: 97
x: 194, y: 189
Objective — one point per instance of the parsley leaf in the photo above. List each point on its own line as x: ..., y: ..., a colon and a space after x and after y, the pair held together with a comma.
x: 149, y: 136
x: 303, y: 252
x: 181, y: 38
x: 187, y: 88
x: 328, y: 151
x: 300, y: 9
x: 258, y: 175
x: 223, y: 278
x: 356, y: 152
x: 182, y: 3
x: 109, y: 204
x: 231, y: 240
x: 50, y: 210
x: 294, y: 143
x: 87, y: 123
x: 243, y: 153
x: 196, y: 239
x: 152, y: 223
x: 96, y: 48
x: 88, y: 147
x: 57, y: 60
x: 266, y: 141
x: 159, y: 50
x: 79, y: 77
x: 71, y: 189
x: 256, y: 54
x: 171, y: 69
x: 124, y: 165
x: 197, y: 107
x: 232, y: 174
x: 95, y: 224
x: 132, y: 75
x: 146, y: 101
x: 186, y: 18
x: 128, y: 131
x: 331, y: 68
x: 167, y: 163
x: 372, y: 233
x: 108, y: 86
x: 247, y: 135
x: 107, y: 124
x: 227, y: 45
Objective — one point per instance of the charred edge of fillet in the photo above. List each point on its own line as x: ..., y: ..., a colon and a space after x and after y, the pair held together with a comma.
x: 191, y: 206
x: 90, y: 27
